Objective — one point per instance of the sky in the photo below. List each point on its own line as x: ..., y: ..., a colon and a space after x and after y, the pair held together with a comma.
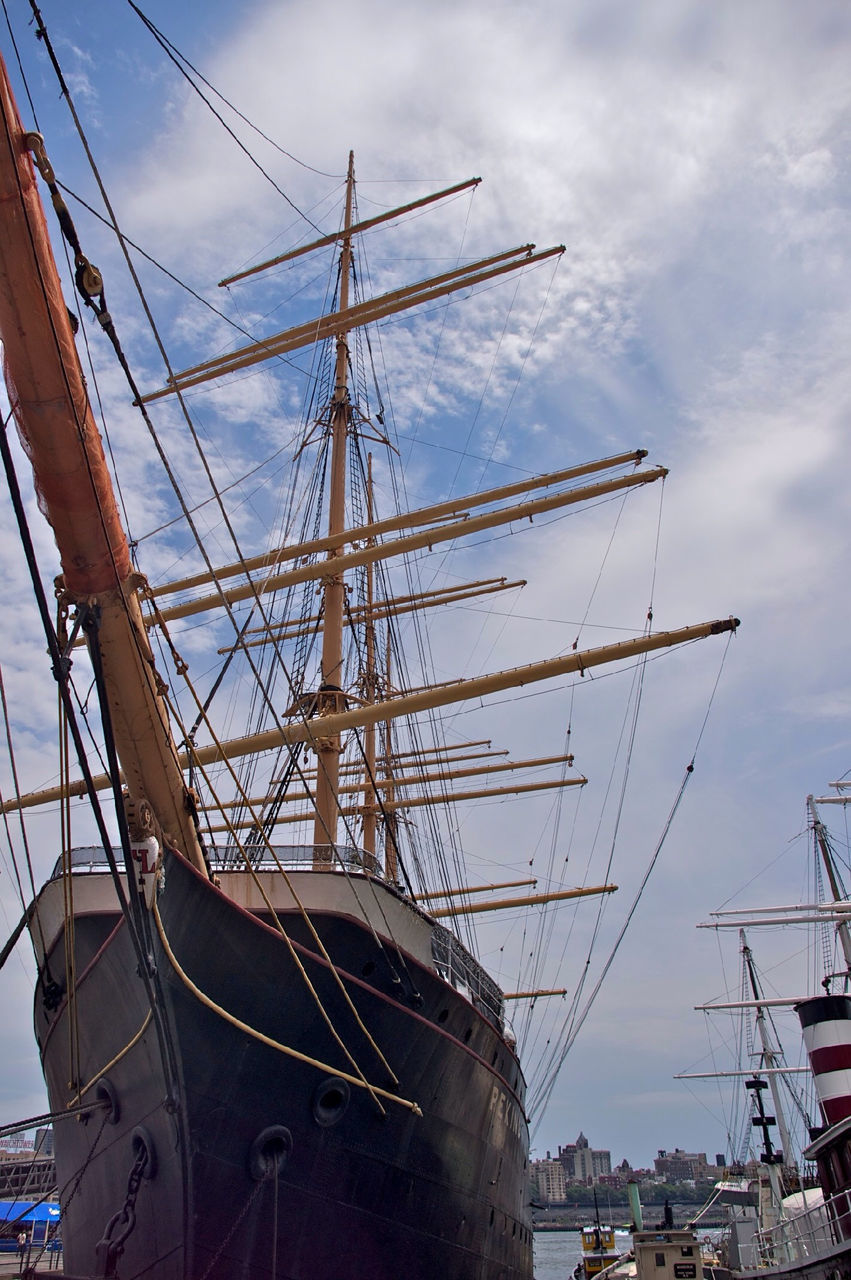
x: 693, y: 159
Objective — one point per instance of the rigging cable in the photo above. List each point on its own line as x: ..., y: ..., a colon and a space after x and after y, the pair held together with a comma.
x: 59, y: 666
x: 302, y: 163
x: 25, y: 841
x: 302, y: 909
x: 523, y: 363
x: 628, y: 728
x: 109, y: 329
x: 545, y: 1089
x: 177, y: 58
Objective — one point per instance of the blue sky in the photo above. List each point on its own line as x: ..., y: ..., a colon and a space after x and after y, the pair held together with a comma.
x: 694, y: 161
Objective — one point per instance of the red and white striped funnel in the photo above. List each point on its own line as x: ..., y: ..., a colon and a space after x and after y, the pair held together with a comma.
x: 826, y: 1024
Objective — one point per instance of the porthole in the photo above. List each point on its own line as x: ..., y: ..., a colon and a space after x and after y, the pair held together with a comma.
x: 141, y: 1140
x: 107, y: 1093
x: 330, y: 1101
x: 269, y: 1152
x: 369, y: 969
x: 443, y: 1015
x: 467, y: 1035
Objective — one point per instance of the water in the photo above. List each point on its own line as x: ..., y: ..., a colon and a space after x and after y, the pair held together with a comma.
x: 556, y: 1253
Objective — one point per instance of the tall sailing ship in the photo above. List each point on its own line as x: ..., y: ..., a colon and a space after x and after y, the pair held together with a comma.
x: 266, y: 1058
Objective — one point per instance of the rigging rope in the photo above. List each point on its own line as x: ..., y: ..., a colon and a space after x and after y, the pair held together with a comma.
x: 358, y: 1081
x: 177, y: 58
x: 303, y: 164
x: 296, y: 898
x: 547, y: 1085
x: 573, y: 1026
x: 109, y: 328
x: 106, y: 322
x: 60, y: 672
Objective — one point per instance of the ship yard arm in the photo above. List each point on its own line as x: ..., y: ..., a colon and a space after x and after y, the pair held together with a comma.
x: 57, y: 428
x: 406, y: 704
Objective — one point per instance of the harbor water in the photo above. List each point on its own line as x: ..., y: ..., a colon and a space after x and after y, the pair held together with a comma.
x: 556, y: 1253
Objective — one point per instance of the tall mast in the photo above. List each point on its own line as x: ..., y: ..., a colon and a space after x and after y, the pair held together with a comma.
x: 370, y: 692
x: 391, y: 822
x: 331, y: 697
x: 48, y: 395
x: 820, y: 834
x: 770, y: 1056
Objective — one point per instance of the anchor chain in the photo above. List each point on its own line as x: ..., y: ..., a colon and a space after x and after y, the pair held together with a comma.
x: 111, y: 1246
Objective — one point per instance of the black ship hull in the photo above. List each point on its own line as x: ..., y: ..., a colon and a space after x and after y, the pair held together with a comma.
x: 264, y: 1155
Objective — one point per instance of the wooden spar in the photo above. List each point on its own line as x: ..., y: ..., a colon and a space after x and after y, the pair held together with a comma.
x: 441, y: 750
x: 471, y: 888
x: 392, y: 604
x: 484, y: 793
x: 413, y: 542
x: 393, y: 524
x: 529, y: 900
x: 329, y: 696
x: 380, y: 610
x: 401, y: 780
x: 356, y: 766
x: 733, y: 1075
x: 357, y: 229
x: 348, y: 318
x: 463, y: 691
x: 48, y: 395
x: 408, y: 704
x: 410, y: 780
x: 389, y: 806
x: 534, y: 995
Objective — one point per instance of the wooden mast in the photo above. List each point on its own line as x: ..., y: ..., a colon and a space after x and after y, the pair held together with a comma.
x: 391, y: 821
x: 47, y: 392
x: 370, y: 692
x: 330, y: 697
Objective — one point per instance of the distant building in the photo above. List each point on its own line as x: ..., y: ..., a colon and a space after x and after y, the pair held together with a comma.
x: 43, y: 1145
x: 683, y: 1166
x: 548, y: 1179
x: 582, y: 1164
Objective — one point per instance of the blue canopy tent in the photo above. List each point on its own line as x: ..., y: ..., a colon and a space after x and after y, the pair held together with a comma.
x: 39, y: 1219
x: 29, y: 1210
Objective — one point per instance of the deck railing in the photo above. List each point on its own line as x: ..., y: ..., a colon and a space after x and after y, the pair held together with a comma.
x: 293, y: 857
x: 807, y: 1235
